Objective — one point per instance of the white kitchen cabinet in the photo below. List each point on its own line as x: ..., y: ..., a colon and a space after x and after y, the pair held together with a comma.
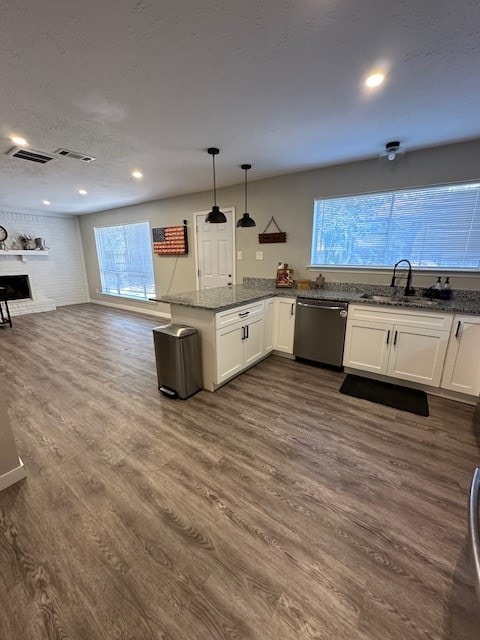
x: 253, y: 342
x: 284, y: 325
x: 417, y: 355
x: 268, y: 318
x: 462, y: 365
x: 367, y: 345
x: 399, y: 343
x: 237, y: 347
x: 229, y: 352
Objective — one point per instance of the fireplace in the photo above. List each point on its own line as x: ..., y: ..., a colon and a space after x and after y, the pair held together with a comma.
x: 18, y: 287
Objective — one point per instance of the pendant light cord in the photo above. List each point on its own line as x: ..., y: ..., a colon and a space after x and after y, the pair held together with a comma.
x: 214, y: 182
x: 246, y: 190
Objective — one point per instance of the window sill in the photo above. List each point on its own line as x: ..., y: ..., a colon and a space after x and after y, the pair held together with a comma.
x: 132, y: 298
x: 388, y: 270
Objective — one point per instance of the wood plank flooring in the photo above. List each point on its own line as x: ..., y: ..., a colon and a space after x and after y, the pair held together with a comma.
x: 273, y: 509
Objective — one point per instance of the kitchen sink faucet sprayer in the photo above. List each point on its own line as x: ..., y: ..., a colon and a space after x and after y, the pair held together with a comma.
x: 409, y: 291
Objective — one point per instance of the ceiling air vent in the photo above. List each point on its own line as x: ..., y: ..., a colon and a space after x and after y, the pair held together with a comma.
x: 66, y: 153
x: 40, y: 157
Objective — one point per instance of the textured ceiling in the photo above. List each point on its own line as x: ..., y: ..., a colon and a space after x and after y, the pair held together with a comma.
x: 277, y: 83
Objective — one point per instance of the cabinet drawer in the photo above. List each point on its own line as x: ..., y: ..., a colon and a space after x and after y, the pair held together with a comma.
x: 419, y: 318
x: 238, y: 314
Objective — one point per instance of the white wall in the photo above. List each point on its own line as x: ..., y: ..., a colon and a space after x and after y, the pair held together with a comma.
x: 58, y: 277
x: 290, y: 199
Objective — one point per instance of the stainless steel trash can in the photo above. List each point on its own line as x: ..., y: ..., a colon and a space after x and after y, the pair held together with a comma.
x: 179, y: 362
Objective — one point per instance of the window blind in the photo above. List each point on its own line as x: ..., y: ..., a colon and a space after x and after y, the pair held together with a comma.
x: 434, y: 227
x: 125, y: 260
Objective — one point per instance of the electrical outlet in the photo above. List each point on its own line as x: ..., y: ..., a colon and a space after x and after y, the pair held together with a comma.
x: 239, y: 255
x: 259, y: 255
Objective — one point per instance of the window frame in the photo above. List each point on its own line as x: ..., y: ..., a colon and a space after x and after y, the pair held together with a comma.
x: 119, y: 295
x: 467, y: 271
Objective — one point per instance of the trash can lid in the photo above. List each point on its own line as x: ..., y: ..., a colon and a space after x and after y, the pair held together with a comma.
x: 176, y: 330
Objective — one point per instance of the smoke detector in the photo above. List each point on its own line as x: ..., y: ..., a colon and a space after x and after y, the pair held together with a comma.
x: 66, y: 153
x: 392, y: 151
x: 39, y: 157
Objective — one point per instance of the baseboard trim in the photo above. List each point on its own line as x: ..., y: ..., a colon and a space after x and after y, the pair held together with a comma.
x: 124, y: 307
x: 283, y: 354
x: 13, y: 476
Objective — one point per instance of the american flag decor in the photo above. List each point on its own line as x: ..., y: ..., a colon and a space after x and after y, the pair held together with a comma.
x: 170, y: 241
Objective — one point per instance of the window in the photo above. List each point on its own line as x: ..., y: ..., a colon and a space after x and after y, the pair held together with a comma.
x: 434, y: 227
x: 125, y: 260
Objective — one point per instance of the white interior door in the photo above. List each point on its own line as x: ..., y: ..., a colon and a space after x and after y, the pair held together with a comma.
x: 215, y: 250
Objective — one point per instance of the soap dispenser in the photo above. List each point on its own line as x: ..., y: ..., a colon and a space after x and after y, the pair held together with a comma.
x: 438, y: 284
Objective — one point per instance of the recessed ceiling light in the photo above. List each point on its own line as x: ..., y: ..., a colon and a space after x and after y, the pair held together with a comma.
x: 21, y: 142
x: 137, y: 174
x: 375, y: 80
x: 82, y: 192
x: 46, y: 202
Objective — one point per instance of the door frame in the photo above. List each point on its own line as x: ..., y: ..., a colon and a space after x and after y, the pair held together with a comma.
x: 196, y: 214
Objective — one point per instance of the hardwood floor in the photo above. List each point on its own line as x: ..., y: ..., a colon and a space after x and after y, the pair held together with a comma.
x: 275, y: 508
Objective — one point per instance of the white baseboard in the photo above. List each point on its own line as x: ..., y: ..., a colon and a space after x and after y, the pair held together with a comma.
x: 13, y: 476
x: 124, y: 307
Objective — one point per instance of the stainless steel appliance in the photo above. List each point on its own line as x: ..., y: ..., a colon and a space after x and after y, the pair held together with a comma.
x: 474, y: 526
x: 320, y: 330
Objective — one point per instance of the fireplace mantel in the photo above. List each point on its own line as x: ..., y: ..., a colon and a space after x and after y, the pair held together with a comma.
x: 23, y: 255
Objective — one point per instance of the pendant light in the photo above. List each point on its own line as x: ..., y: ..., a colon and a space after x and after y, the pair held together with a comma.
x: 246, y: 220
x: 215, y: 216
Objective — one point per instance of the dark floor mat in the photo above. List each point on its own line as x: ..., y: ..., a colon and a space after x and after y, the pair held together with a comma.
x: 391, y: 395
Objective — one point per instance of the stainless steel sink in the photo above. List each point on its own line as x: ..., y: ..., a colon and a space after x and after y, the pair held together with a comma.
x: 404, y: 300
x: 382, y: 298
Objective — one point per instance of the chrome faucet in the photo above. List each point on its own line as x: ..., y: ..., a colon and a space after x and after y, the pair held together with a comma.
x: 409, y: 291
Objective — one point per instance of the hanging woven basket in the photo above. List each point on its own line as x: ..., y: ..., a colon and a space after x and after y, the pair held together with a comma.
x: 270, y: 238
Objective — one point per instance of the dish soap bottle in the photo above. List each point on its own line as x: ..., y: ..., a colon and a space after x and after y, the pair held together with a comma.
x: 438, y: 284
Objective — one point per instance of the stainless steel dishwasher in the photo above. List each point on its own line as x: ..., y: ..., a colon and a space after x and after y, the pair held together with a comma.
x: 320, y: 330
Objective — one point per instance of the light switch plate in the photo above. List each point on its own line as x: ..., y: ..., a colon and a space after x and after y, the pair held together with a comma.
x: 259, y: 255
x: 239, y: 255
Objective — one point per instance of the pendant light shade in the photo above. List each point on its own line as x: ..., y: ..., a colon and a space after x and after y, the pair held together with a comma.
x: 246, y: 220
x: 215, y: 216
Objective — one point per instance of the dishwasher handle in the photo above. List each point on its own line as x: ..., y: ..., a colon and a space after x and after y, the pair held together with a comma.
x: 316, y: 306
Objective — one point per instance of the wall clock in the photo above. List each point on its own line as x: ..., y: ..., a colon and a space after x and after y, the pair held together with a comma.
x: 3, y: 234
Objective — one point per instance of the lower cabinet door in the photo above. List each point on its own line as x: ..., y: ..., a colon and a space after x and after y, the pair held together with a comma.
x: 284, y: 324
x: 229, y: 348
x: 462, y: 364
x: 367, y: 345
x: 268, y: 325
x: 418, y: 355
x: 253, y: 343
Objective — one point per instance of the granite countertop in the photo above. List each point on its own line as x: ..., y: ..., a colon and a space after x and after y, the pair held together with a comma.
x: 218, y: 298
x: 223, y: 298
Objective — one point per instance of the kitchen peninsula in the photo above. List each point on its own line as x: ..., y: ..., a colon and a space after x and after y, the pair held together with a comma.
x: 242, y: 324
